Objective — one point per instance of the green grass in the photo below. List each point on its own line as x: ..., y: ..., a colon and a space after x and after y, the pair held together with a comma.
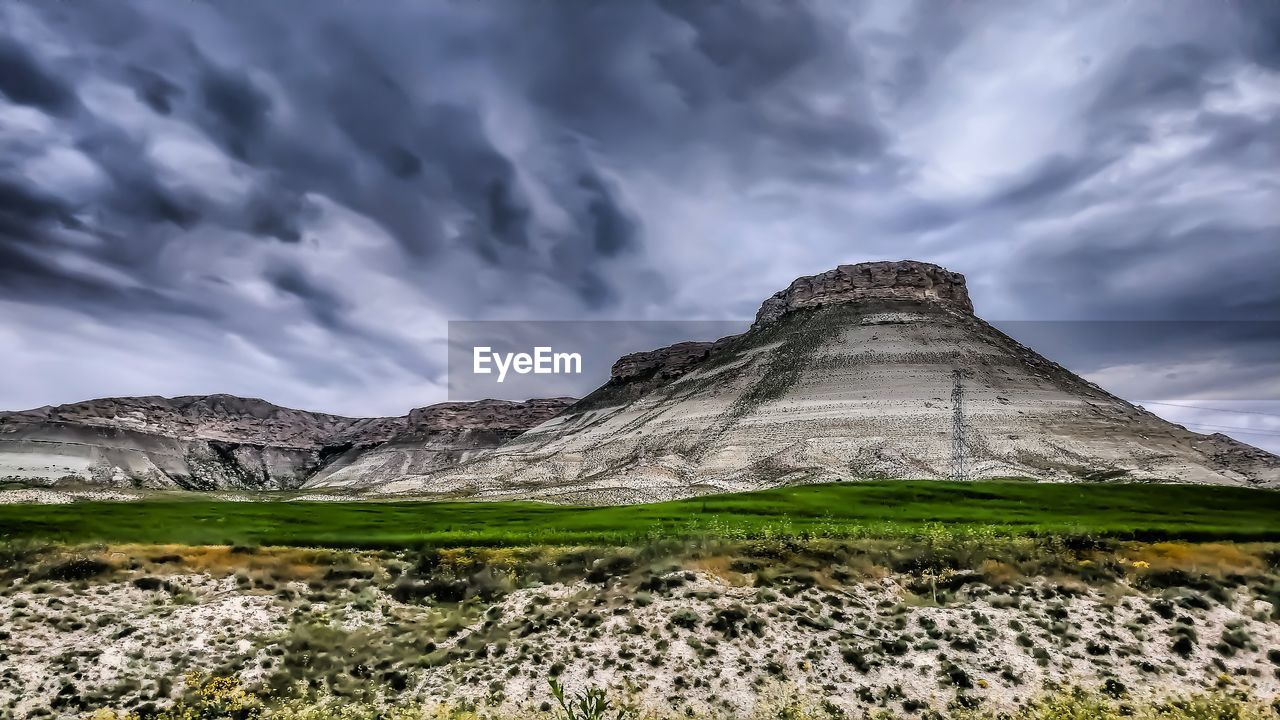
x: 870, y: 509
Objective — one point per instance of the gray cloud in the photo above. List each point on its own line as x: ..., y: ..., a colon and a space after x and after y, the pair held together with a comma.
x: 325, y: 306
x: 290, y: 199
x: 154, y: 89
x: 26, y: 82
x: 238, y: 110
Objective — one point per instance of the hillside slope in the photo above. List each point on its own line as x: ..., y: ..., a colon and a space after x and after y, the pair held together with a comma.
x: 437, y: 437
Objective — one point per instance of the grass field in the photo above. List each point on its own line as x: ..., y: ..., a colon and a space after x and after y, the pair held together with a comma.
x: 871, y: 509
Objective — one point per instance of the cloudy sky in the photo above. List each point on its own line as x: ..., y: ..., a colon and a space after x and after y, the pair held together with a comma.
x: 290, y: 199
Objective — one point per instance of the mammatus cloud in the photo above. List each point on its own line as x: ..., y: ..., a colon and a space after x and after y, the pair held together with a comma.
x: 289, y: 199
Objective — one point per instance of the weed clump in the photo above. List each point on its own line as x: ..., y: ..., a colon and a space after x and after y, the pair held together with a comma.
x: 78, y: 568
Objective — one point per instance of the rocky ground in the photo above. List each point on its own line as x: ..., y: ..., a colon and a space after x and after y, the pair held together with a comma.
x: 708, y: 634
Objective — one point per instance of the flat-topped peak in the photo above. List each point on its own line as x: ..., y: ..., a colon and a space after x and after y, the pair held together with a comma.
x: 902, y: 280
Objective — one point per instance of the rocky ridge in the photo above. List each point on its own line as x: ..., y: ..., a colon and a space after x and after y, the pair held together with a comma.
x: 221, y: 417
x: 216, y: 442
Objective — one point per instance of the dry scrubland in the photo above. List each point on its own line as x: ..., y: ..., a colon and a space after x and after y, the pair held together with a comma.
x: 940, y: 624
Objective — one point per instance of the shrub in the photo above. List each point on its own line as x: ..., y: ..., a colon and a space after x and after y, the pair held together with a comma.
x: 731, y: 621
x: 210, y: 698
x: 590, y: 704
x: 684, y: 618
x: 1184, y: 646
x: 857, y: 657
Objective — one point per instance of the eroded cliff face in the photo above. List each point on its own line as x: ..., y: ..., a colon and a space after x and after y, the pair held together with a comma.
x: 635, y: 374
x: 226, y: 442
x: 665, y: 363
x: 901, y: 280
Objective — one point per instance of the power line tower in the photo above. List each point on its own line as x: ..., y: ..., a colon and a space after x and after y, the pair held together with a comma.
x: 958, y: 469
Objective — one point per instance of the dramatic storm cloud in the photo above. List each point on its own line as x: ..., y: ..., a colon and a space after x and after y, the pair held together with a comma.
x: 290, y: 199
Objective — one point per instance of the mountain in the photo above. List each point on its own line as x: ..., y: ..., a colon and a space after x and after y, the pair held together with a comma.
x: 213, y: 442
x: 876, y: 370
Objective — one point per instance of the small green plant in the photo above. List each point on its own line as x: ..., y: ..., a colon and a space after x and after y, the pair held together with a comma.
x: 590, y: 704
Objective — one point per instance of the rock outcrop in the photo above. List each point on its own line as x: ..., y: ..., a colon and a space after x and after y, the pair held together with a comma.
x: 666, y: 363
x: 211, y: 442
x: 635, y: 374
x: 903, y: 280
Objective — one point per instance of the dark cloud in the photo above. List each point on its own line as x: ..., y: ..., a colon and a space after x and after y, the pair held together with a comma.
x: 1049, y: 179
x: 1239, y: 140
x: 1261, y: 21
x: 508, y: 219
x: 1129, y: 271
x: 157, y: 91
x: 22, y: 207
x: 1151, y: 78
x: 26, y: 82
x: 402, y: 162
x: 277, y: 213
x: 752, y: 44
x: 239, y: 110
x: 611, y: 229
x: 33, y: 237
x: 322, y: 303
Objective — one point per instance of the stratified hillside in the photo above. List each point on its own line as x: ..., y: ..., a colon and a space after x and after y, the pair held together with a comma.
x: 878, y: 370
x: 223, y: 441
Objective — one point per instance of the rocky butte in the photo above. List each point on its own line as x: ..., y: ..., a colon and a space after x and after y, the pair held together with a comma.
x: 874, y: 370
